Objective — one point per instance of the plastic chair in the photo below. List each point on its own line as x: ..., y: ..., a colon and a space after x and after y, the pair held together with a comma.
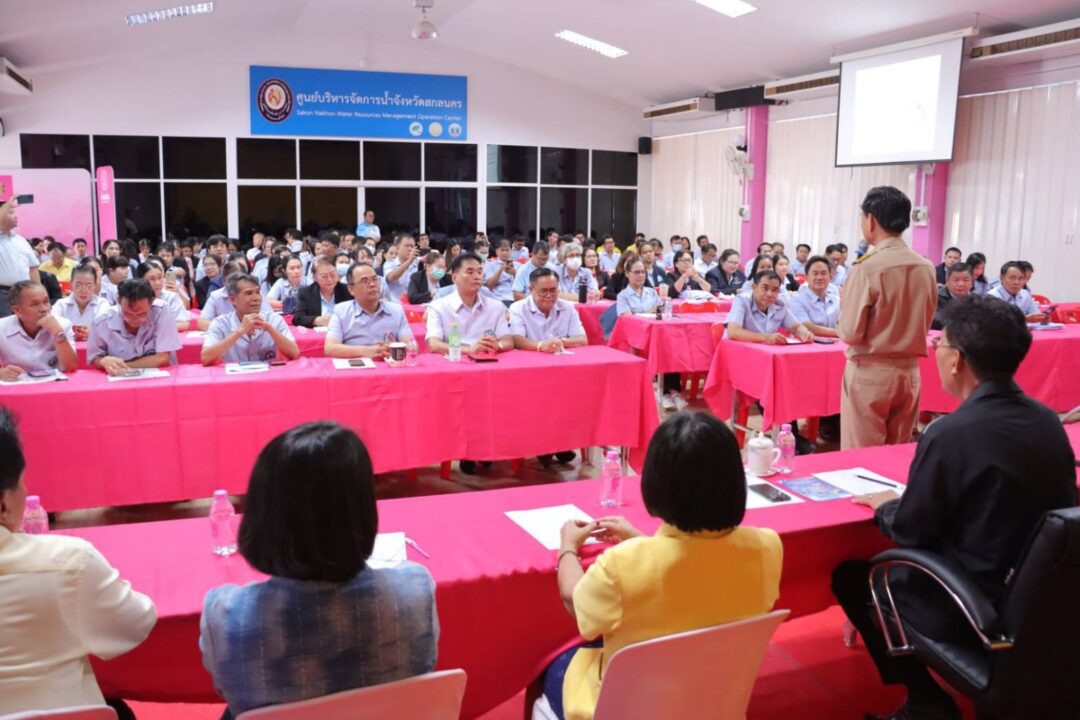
x: 434, y: 696
x: 705, y: 674
x: 1071, y: 316
x: 800, y: 278
x: 1041, y: 299
x: 83, y: 712
x: 706, y: 307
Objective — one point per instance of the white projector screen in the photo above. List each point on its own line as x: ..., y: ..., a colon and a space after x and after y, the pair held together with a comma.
x: 899, y: 107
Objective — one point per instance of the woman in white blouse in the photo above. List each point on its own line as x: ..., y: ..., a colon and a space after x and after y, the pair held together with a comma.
x: 61, y: 602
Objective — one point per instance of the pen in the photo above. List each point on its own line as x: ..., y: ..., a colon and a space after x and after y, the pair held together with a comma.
x: 879, y: 482
x: 412, y: 543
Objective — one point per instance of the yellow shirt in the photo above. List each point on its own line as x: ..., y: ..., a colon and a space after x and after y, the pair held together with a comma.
x: 62, y: 273
x: 670, y: 583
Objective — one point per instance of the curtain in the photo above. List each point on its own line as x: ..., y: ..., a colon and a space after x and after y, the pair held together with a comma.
x: 808, y: 199
x: 1014, y: 184
x: 694, y: 193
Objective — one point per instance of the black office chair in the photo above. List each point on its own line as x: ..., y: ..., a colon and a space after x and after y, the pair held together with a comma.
x: 1027, y: 667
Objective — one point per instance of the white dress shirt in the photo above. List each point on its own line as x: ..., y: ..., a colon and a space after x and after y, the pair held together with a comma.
x: 485, y: 314
x: 62, y: 601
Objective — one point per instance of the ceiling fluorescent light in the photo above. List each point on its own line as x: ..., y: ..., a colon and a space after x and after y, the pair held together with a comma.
x: 150, y: 16
x: 609, y: 51
x: 731, y: 8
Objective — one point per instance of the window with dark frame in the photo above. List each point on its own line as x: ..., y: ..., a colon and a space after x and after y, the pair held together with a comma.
x: 511, y: 211
x: 193, y: 158
x: 564, y: 166
x: 259, y: 159
x: 450, y: 211
x: 131, y: 156
x: 329, y: 160
x: 391, y: 161
x: 449, y: 162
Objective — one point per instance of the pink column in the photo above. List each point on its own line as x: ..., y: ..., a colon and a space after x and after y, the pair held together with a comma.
x: 930, y: 192
x: 757, y: 147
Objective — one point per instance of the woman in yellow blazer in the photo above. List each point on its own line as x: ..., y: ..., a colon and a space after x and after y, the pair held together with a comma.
x: 700, y: 569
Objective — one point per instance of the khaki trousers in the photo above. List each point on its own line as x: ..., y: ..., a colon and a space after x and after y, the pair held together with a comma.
x: 880, y: 401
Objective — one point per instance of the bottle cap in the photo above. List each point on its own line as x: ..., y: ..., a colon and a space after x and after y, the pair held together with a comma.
x: 613, y: 454
x: 33, y: 501
x: 221, y: 495
x: 786, y: 427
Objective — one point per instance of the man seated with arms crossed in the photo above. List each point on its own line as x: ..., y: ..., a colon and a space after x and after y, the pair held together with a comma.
x: 363, y: 326
x: 481, y: 320
x: 758, y: 318
x: 315, y: 303
x: 1012, y: 291
x: 981, y: 481
x: 546, y: 323
x: 83, y: 304
x: 139, y: 332
x: 817, y: 303
x: 249, y: 333
x: 539, y: 259
x: 32, y: 339
x: 958, y: 285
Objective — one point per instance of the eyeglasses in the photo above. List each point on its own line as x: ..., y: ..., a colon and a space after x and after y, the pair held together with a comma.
x: 547, y: 291
x: 939, y: 342
x: 366, y: 281
x: 636, y: 272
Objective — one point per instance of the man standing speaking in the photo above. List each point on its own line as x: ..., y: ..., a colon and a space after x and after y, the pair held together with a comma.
x: 886, y: 310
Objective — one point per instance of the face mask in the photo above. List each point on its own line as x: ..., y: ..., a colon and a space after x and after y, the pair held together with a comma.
x: 573, y: 263
x: 438, y: 273
x: 342, y: 269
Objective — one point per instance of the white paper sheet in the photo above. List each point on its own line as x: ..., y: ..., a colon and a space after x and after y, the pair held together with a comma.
x: 389, y: 550
x: 343, y: 364
x: 321, y: 328
x: 25, y: 379
x: 196, y: 333
x: 145, y: 374
x: 846, y: 480
x: 755, y: 501
x: 238, y: 369
x: 545, y: 523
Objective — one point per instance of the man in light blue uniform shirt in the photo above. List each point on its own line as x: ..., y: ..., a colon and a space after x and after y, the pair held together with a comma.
x: 18, y: 261
x: 218, y: 301
x: 397, y: 272
x: 836, y: 254
x: 368, y: 228
x: 139, y: 332
x: 608, y: 255
x: 542, y: 321
x: 802, y: 255
x: 481, y: 321
x: 33, y: 339
x: 1011, y: 289
x: 363, y: 326
x: 248, y: 333
x: 817, y: 303
x: 539, y: 259
x: 759, y: 317
x: 519, y: 251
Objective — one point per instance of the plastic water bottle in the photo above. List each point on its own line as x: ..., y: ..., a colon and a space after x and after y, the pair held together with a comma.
x: 611, y: 480
x: 222, y: 524
x: 455, y: 344
x: 35, y: 519
x: 786, y: 442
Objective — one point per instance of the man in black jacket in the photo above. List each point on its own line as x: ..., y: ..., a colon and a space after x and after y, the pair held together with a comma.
x: 315, y: 302
x: 981, y: 480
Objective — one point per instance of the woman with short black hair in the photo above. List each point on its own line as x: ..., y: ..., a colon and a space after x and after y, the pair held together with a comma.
x: 701, y: 568
x: 320, y: 624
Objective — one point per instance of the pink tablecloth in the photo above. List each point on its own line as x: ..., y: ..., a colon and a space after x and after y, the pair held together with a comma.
x: 181, y: 437
x: 590, y: 319
x: 798, y: 381
x: 497, y: 599
x: 683, y: 344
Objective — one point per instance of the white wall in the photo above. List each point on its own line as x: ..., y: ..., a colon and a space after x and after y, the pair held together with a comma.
x: 204, y: 91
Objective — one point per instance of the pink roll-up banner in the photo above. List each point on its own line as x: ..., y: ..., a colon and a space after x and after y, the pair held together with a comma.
x: 106, y: 204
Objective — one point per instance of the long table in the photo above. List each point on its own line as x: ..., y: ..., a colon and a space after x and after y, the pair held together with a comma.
x: 496, y: 595
x: 681, y: 344
x: 93, y: 442
x: 800, y: 381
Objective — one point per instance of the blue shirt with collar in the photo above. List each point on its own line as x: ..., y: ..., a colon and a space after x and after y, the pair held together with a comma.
x: 808, y: 306
x: 353, y: 325
x: 746, y: 314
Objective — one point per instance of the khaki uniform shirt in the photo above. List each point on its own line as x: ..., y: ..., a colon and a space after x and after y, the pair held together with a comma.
x: 888, y: 303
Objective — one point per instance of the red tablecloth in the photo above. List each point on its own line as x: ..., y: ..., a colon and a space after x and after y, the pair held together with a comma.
x: 497, y: 599
x: 798, y: 381
x: 590, y: 319
x: 683, y: 344
x: 182, y: 437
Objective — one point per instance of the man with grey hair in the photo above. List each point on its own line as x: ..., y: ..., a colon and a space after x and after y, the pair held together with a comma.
x: 18, y: 261
x: 33, y: 339
x: 249, y: 334
x: 572, y: 275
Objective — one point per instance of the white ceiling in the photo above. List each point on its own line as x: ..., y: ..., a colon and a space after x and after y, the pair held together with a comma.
x: 677, y: 48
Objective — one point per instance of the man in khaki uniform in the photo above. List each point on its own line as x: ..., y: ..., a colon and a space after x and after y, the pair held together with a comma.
x: 887, y: 306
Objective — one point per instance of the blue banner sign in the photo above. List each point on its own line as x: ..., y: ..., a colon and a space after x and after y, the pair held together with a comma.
x: 352, y: 103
